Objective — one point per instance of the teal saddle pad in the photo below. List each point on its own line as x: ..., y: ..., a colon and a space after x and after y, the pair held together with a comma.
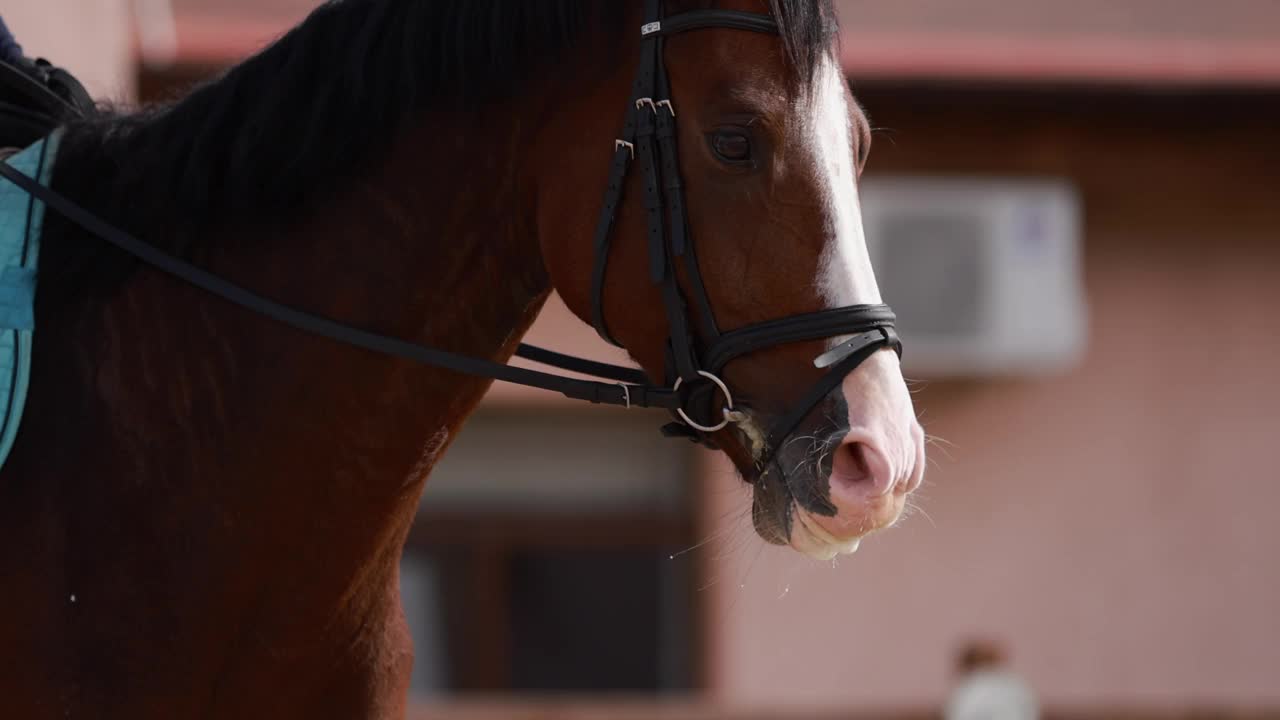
x: 21, y: 217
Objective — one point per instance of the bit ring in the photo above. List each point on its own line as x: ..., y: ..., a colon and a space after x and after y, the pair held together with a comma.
x: 728, y: 396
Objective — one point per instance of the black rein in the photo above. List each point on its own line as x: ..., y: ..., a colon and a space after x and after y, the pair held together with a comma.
x: 629, y: 391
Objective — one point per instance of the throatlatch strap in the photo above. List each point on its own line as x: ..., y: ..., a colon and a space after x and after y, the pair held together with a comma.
x: 604, y: 226
x: 624, y: 152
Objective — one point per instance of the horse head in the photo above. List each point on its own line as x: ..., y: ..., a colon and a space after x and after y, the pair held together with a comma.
x: 752, y: 227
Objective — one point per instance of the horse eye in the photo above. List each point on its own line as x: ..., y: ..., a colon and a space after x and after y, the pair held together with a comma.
x: 731, y: 146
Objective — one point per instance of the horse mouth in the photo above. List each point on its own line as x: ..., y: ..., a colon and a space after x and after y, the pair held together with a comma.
x: 810, y: 538
x: 793, y: 502
x: 787, y: 523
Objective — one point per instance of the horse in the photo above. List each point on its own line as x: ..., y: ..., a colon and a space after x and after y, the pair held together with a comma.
x: 203, y: 510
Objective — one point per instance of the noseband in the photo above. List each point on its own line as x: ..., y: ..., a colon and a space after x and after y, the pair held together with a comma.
x: 694, y: 362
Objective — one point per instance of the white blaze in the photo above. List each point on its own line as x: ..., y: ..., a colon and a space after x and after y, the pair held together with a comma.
x: 880, y: 413
x: 845, y: 273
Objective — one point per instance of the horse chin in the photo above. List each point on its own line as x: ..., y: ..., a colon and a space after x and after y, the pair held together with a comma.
x: 810, y: 538
x: 780, y: 520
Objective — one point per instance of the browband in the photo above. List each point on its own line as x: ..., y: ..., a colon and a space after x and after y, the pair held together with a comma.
x: 702, y: 19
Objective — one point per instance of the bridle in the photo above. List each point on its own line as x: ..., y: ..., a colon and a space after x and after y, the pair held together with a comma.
x: 694, y: 361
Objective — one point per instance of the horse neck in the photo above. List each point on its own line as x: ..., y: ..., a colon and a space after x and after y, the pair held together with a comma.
x: 317, y: 450
x: 436, y: 246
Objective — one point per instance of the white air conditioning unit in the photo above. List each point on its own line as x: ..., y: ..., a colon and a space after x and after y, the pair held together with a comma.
x: 984, y: 274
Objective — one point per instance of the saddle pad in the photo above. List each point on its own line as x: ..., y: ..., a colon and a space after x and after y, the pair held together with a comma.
x: 21, y: 217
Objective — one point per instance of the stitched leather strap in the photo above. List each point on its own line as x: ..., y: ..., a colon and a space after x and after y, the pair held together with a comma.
x: 612, y: 197
x: 624, y: 153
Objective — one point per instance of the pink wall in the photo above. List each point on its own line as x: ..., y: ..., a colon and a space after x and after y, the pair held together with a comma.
x: 1115, y: 527
x: 1157, y: 41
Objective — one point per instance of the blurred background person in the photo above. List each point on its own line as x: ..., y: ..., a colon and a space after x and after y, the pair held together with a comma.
x: 988, y: 688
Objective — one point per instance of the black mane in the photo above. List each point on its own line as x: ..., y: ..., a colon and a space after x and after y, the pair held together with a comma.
x: 328, y: 95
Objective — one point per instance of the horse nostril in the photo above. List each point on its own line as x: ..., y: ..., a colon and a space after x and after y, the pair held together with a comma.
x: 859, y: 471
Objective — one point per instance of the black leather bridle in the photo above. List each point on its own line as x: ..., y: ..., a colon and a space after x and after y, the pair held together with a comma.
x: 696, y: 359
x: 694, y: 362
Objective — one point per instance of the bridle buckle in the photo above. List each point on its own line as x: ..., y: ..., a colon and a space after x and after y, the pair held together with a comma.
x: 655, y: 104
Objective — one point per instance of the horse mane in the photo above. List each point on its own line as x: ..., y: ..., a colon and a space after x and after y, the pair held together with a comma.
x: 314, y: 107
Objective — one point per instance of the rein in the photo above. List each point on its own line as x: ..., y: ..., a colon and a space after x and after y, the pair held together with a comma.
x: 629, y: 391
x: 693, y: 363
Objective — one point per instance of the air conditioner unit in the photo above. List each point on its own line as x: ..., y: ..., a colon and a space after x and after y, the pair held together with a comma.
x: 985, y: 274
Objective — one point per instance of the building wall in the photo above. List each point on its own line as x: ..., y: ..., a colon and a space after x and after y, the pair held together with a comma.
x: 91, y: 38
x: 1113, y: 526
